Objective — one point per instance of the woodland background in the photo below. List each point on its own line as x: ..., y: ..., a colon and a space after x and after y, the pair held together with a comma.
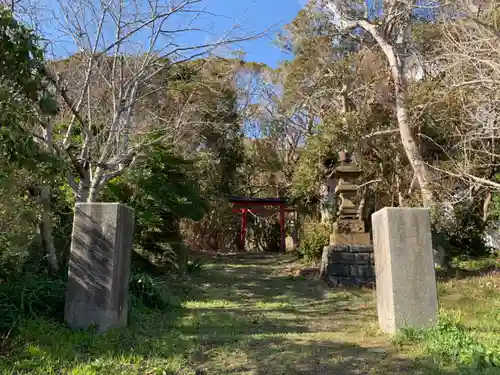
x: 410, y: 87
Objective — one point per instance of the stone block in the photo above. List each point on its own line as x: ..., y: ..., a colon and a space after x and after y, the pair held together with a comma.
x: 368, y: 249
x: 347, y: 258
x: 363, y: 281
x: 369, y: 271
x: 339, y: 269
x: 350, y: 239
x: 362, y: 258
x: 356, y: 271
x: 340, y: 266
x: 346, y: 281
x: 99, y: 266
x: 404, y: 268
x: 349, y: 225
x: 290, y: 245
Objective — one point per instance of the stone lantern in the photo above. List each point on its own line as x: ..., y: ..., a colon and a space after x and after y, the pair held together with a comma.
x: 349, y: 228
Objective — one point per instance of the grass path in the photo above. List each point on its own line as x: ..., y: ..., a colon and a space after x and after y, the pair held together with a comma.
x: 248, y: 316
x: 256, y: 317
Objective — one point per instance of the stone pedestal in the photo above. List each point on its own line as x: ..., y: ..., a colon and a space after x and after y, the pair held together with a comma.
x: 404, y: 268
x: 349, y: 232
x: 347, y: 265
x: 99, y: 266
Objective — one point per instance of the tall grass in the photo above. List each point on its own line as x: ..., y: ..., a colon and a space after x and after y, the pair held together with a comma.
x: 452, y: 343
x: 32, y: 297
x: 151, y: 292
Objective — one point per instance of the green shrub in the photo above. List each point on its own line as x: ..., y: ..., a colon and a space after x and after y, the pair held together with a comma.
x: 315, y: 236
x: 162, y: 192
x: 151, y: 292
x: 194, y: 266
x: 30, y: 297
x: 463, y: 236
x: 452, y: 343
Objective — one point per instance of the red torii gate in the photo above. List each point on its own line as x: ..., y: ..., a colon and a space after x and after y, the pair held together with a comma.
x: 244, y: 205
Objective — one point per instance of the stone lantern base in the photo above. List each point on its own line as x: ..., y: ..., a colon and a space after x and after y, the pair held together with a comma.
x: 349, y: 232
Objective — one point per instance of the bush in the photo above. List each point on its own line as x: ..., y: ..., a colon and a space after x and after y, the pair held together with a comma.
x: 150, y: 292
x: 162, y: 192
x: 194, y: 266
x: 463, y: 234
x: 452, y: 343
x: 315, y: 236
x: 31, y: 297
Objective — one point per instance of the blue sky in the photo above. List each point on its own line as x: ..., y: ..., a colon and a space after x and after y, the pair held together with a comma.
x: 252, y: 16
x: 257, y: 16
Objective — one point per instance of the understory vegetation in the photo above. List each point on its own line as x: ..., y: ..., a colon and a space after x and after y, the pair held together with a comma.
x: 172, y: 131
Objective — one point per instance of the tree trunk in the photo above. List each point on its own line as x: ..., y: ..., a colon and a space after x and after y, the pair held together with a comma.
x: 486, y: 206
x: 86, y: 191
x: 326, y: 204
x: 46, y: 230
x: 95, y: 185
x: 407, y: 137
x: 46, y: 222
x: 94, y: 193
x: 83, y: 192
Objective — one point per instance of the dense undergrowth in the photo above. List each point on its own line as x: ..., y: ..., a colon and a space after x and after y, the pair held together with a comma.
x: 33, y: 297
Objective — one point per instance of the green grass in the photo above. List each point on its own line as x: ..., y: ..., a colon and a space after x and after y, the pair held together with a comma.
x: 252, y: 316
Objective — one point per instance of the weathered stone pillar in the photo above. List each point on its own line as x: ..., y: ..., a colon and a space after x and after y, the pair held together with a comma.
x: 404, y: 268
x: 99, y: 266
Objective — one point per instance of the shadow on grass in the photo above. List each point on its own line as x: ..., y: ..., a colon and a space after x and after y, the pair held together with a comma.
x: 283, y: 356
x: 471, y: 268
x: 241, y: 315
x: 166, y: 349
x: 253, y: 278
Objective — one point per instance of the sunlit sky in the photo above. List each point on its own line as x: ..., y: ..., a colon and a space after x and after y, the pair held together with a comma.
x: 259, y: 15
x: 252, y: 16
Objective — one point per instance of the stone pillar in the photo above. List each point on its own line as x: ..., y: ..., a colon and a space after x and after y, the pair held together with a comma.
x: 99, y: 266
x: 404, y: 268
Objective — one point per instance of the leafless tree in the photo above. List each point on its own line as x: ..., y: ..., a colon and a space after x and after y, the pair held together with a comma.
x: 470, y: 62
x: 108, y: 59
x: 121, y: 50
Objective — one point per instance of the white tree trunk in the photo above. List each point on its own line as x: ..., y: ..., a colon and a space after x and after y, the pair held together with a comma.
x: 88, y: 192
x: 46, y: 225
x: 82, y: 191
x: 95, y: 189
x: 326, y: 203
x: 46, y: 229
x: 407, y: 137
